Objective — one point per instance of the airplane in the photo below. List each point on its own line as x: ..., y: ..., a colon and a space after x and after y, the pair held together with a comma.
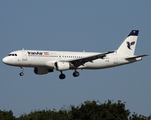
x: 44, y: 62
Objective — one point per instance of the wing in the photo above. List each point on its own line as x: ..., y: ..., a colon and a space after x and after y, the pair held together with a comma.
x: 82, y: 61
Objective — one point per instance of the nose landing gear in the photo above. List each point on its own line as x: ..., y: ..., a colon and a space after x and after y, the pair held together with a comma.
x: 22, y: 69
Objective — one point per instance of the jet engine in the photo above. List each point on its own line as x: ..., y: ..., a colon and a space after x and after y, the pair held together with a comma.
x: 61, y: 66
x: 42, y: 71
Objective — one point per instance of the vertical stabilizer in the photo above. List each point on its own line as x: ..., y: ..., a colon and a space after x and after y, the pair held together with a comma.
x: 129, y: 44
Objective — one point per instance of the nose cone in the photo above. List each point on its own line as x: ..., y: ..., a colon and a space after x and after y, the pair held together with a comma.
x: 5, y: 60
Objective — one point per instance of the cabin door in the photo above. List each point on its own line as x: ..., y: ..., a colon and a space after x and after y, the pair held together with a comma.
x: 24, y: 55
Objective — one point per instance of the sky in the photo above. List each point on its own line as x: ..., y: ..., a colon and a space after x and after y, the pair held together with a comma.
x: 74, y: 25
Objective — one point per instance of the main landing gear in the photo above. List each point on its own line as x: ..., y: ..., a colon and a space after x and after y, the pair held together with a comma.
x: 63, y: 76
x: 76, y: 73
x: 22, y: 69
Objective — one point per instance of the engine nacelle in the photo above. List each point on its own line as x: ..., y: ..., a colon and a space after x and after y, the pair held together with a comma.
x: 61, y: 66
x: 42, y: 71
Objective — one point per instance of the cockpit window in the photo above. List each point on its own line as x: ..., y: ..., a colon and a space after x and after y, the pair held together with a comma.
x: 12, y: 55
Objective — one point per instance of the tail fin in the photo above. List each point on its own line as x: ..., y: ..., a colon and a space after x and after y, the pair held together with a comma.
x: 129, y: 44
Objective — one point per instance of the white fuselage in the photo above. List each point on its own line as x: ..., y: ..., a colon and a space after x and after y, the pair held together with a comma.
x: 46, y: 59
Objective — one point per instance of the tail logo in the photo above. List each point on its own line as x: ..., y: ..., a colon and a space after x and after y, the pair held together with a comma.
x: 130, y: 44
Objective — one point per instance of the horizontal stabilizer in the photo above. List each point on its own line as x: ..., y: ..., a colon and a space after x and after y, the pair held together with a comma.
x: 135, y: 57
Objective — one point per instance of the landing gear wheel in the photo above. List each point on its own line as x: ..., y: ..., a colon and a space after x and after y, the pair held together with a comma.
x: 22, y: 69
x: 62, y: 76
x: 21, y: 74
x: 76, y: 74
